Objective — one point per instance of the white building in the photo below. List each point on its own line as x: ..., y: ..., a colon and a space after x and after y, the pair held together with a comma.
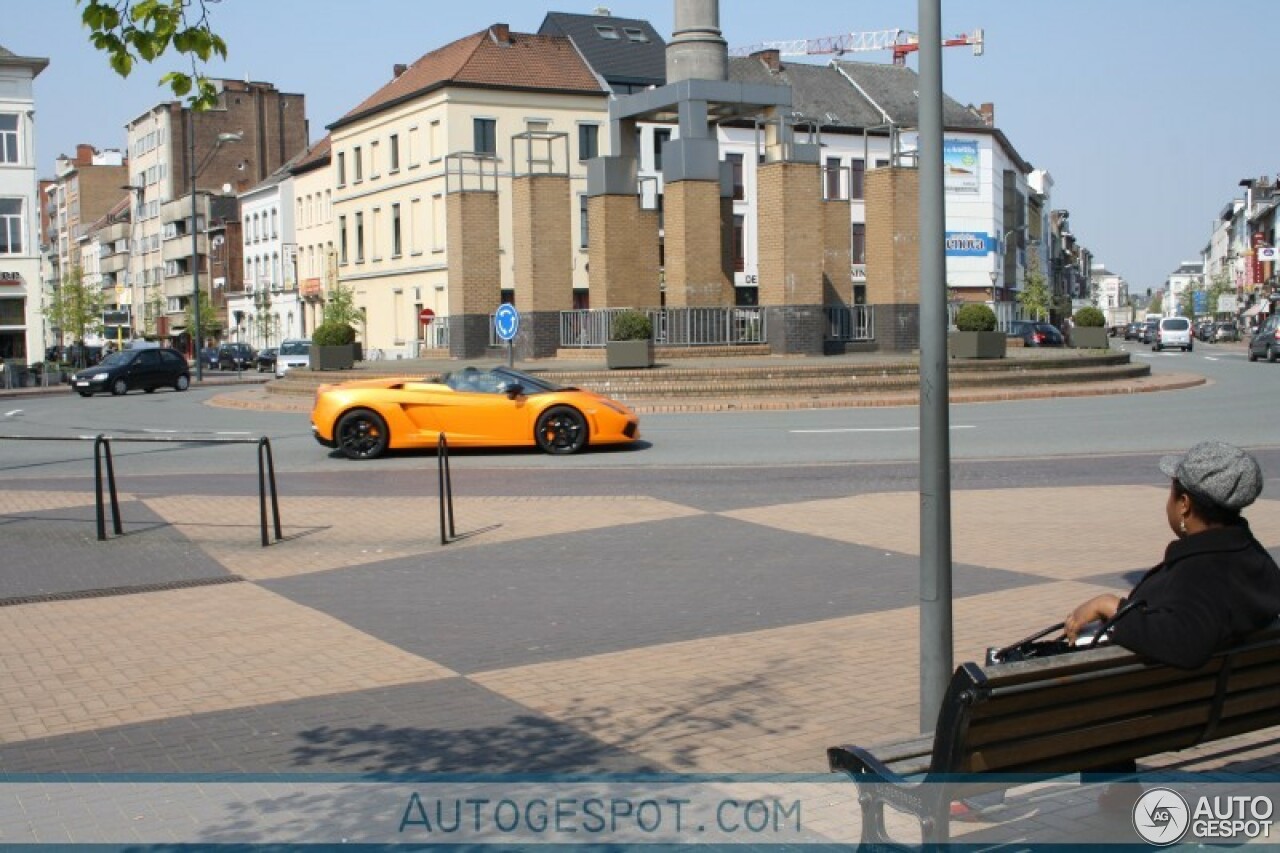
x: 269, y: 309
x: 1189, y: 275
x: 23, y: 333
x: 1111, y: 294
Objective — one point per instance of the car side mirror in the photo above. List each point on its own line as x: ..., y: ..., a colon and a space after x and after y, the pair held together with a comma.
x: 513, y: 390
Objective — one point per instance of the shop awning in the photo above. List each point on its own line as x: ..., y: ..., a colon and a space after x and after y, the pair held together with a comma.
x: 1256, y: 309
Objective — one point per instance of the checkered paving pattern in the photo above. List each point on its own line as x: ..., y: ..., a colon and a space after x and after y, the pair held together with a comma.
x: 563, y: 634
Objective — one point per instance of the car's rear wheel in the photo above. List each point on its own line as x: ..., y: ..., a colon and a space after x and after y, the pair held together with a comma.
x: 119, y: 387
x: 1272, y: 355
x: 362, y: 434
x: 182, y: 383
x: 561, y: 430
x: 1253, y: 356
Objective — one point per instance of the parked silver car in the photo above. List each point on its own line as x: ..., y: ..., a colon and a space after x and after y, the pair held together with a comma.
x: 292, y: 353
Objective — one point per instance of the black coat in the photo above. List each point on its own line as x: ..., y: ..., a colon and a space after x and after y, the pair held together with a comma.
x: 1212, y: 589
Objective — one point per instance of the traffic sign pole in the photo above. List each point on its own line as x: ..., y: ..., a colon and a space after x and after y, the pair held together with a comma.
x: 506, y: 322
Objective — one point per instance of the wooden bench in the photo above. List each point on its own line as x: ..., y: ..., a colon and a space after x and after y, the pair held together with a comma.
x: 1059, y: 715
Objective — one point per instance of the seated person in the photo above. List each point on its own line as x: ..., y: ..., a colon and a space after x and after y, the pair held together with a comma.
x: 1216, y: 585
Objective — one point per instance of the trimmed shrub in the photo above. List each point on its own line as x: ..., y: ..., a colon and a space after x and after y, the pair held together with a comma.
x: 1090, y: 317
x: 976, y: 317
x: 333, y: 335
x: 631, y: 326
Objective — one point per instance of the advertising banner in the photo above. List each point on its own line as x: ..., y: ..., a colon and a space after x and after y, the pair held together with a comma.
x: 960, y: 166
x: 969, y: 244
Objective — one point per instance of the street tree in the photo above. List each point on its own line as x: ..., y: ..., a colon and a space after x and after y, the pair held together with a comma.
x: 1156, y: 305
x: 340, y: 307
x: 1035, y: 298
x: 131, y: 31
x: 208, y: 321
x: 75, y: 308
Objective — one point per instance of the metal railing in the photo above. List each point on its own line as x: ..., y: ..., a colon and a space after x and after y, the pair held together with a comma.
x: 102, y: 461
x: 672, y: 327
x: 851, y: 322
x: 1006, y: 314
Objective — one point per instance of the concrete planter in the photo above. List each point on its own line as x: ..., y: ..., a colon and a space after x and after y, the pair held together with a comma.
x: 620, y: 355
x: 977, y: 344
x: 1089, y: 337
x: 332, y: 358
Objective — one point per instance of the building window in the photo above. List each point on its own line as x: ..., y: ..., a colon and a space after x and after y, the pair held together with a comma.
x: 857, y: 169
x: 342, y: 239
x: 342, y: 168
x: 10, y: 226
x: 376, y: 226
x: 414, y: 145
x: 635, y: 34
x: 606, y: 31
x: 660, y: 138
x: 588, y: 141
x: 584, y: 223
x: 486, y: 136
x: 833, y: 178
x: 395, y: 230
x: 858, y: 243
x: 275, y: 224
x: 373, y: 159
x: 437, y: 223
x: 8, y: 138
x: 735, y: 166
x: 359, y: 238
x: 416, y: 226
x: 433, y: 140
x: 393, y: 152
x: 357, y: 163
x: 739, y: 243
x: 880, y: 164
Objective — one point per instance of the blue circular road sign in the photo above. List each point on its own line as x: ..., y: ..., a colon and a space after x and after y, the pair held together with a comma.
x: 506, y: 322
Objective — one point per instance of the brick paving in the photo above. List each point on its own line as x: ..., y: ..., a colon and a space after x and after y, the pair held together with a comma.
x: 707, y: 632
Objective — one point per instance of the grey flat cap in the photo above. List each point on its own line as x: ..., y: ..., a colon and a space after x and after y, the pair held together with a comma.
x: 1219, y: 472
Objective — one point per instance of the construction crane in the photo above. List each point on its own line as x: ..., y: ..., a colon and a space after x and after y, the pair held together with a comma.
x: 901, y: 42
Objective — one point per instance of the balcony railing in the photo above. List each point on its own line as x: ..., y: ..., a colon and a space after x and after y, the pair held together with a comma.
x: 672, y: 327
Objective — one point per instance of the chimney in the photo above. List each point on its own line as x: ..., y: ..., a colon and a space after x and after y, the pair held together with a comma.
x: 84, y: 154
x: 771, y: 58
x: 697, y: 50
x: 398, y: 69
x: 988, y: 113
x: 501, y: 33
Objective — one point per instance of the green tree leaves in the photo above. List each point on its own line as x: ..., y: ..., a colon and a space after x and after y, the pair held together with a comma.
x: 1035, y: 297
x: 129, y: 31
x: 76, y: 307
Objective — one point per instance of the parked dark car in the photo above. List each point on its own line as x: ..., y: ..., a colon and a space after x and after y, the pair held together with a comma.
x: 1133, y: 332
x: 238, y: 356
x: 1226, y: 332
x: 1036, y: 334
x: 1204, y: 330
x: 122, y: 372
x: 1265, y: 342
x: 1148, y: 333
x: 209, y: 357
x: 267, y: 360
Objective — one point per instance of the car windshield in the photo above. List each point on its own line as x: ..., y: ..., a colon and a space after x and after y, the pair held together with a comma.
x: 117, y: 358
x: 496, y: 381
x: 295, y: 347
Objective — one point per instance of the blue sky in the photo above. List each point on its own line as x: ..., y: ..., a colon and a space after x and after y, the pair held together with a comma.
x: 1146, y: 112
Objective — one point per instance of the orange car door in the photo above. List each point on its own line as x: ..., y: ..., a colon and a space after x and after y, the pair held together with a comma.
x: 471, y: 417
x: 419, y: 401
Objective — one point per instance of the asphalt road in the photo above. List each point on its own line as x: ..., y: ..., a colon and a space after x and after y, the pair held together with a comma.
x: 1234, y: 406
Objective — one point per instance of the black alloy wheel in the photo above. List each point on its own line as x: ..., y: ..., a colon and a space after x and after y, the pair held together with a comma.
x: 362, y: 434
x: 561, y: 430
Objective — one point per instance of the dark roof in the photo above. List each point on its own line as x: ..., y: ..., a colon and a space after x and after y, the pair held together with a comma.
x: 818, y: 92
x: 521, y: 62
x: 314, y: 157
x: 895, y: 89
x: 637, y: 57
x: 35, y: 63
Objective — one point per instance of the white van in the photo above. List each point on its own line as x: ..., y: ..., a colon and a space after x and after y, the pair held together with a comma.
x: 1173, y: 332
x: 292, y: 353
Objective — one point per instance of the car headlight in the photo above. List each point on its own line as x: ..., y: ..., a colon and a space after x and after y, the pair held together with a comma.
x: 99, y: 377
x: 616, y: 407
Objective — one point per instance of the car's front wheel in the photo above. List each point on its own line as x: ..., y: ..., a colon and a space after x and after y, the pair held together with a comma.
x: 85, y: 393
x: 119, y: 387
x: 1253, y: 356
x: 362, y: 434
x: 1272, y: 355
x: 182, y: 383
x: 561, y: 430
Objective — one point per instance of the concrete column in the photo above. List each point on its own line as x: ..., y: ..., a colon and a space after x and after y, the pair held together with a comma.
x: 694, y: 268
x: 543, y: 249
x: 791, y: 248
x: 475, y: 277
x: 622, y: 256
x: 893, y: 255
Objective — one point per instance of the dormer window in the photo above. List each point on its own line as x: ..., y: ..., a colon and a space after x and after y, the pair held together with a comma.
x: 635, y: 34
x: 606, y: 31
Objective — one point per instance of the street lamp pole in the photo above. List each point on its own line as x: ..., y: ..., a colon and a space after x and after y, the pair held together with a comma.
x: 196, y: 336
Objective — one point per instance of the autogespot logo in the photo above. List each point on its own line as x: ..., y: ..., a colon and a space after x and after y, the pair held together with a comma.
x: 1161, y: 816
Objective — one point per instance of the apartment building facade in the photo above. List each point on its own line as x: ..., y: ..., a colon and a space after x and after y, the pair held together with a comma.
x: 316, y: 259
x: 253, y: 131
x: 24, y: 334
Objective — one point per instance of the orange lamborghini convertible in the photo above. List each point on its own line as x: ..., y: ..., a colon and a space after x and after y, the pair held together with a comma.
x: 499, y: 407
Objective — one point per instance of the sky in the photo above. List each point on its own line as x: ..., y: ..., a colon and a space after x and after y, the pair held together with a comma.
x: 1147, y: 113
